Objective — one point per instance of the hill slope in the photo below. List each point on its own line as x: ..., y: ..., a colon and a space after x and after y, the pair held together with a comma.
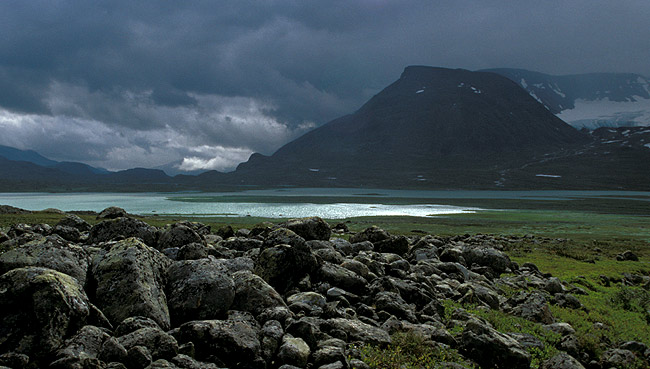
x: 446, y: 127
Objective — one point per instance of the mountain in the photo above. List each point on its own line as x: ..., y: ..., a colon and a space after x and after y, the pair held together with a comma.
x: 589, y: 100
x: 30, y: 156
x: 433, y: 128
x: 21, y: 175
x: 11, y: 153
x: 448, y: 128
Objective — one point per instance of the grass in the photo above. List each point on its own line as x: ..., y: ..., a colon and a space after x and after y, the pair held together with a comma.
x: 409, y: 350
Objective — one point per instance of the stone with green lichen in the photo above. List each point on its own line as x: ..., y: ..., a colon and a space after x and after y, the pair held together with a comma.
x: 40, y: 308
x: 50, y: 252
x: 130, y: 281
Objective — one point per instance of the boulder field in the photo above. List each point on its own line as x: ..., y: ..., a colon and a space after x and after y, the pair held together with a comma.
x: 124, y: 294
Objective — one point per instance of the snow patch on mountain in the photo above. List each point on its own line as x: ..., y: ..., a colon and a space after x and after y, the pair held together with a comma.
x: 592, y: 114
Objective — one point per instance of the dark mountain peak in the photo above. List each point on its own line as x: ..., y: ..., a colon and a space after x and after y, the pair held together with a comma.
x: 430, y: 120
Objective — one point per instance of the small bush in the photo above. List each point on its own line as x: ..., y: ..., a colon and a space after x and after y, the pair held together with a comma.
x: 410, y: 350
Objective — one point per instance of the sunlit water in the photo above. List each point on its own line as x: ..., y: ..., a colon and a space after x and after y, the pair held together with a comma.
x: 150, y: 203
x: 203, y: 204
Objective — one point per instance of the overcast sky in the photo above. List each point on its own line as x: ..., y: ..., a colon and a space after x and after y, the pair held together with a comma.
x: 121, y: 84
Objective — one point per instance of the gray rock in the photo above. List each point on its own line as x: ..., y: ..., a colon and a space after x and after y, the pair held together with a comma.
x: 282, y: 266
x: 160, y: 344
x: 312, y: 228
x: 40, y: 308
x: 51, y: 252
x: 490, y: 348
x: 293, y: 351
x: 241, y: 243
x: 112, y: 213
x: 198, y: 290
x: 342, y: 246
x: 394, y: 244
x: 561, y: 328
x: 313, y: 300
x: 329, y: 354
x: 341, y: 277
x: 74, y: 221
x: 12, y: 360
x: 186, y: 362
x: 130, y: 281
x: 254, y: 295
x: 192, y: 251
x: 488, y: 257
x: 86, y: 344
x: 358, y: 330
x: 112, y: 350
x: 373, y: 234
x: 562, y: 360
x: 272, y: 333
x: 138, y: 357
x: 329, y: 255
x: 534, y: 308
x: 356, y: 266
x: 553, y: 286
x: 283, y: 236
x: 394, y: 304
x: 617, y: 358
x: 234, y: 343
x: 570, y: 345
x: 627, y: 256
x: 121, y: 228
x: 178, y: 235
x: 134, y: 323
x: 67, y: 233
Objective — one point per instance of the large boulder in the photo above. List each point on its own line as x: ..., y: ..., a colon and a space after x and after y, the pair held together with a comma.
x: 492, y: 349
x: 120, y: 228
x: 50, y: 252
x: 254, y: 295
x: 178, y: 235
x: 357, y: 330
x: 339, y: 276
x: 533, y: 307
x: 617, y: 358
x: 486, y: 257
x: 293, y: 351
x: 198, y: 290
x: 241, y: 243
x: 562, y: 360
x: 74, y: 221
x: 160, y: 344
x: 282, y: 266
x: 394, y: 244
x: 82, y: 349
x: 231, y: 343
x: 40, y: 309
x: 372, y: 234
x: 130, y: 280
x: 312, y: 228
x: 112, y: 213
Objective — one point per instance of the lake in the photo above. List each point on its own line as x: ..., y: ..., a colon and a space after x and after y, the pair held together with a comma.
x: 331, y: 203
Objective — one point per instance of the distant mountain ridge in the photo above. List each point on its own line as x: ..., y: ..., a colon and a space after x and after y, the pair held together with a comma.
x: 433, y: 128
x: 588, y: 100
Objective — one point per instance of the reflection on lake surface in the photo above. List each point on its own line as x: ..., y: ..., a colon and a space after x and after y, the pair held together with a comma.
x: 290, y: 202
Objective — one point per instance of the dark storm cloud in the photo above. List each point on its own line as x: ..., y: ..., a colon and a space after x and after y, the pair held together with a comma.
x: 204, y: 77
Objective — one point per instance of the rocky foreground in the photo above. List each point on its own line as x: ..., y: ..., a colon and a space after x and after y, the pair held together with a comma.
x: 124, y: 294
